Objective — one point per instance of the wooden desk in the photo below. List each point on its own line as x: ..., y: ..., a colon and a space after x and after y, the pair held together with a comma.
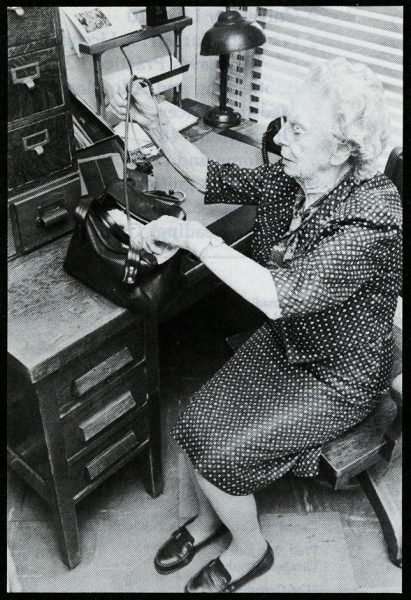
x: 83, y: 373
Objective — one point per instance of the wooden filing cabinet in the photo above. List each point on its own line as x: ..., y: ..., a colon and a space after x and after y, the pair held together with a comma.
x: 42, y: 176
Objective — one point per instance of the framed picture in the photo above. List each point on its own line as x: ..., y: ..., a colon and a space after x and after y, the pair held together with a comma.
x: 96, y: 24
x: 159, y: 15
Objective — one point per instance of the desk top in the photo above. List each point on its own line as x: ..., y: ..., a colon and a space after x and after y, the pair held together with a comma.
x: 53, y: 318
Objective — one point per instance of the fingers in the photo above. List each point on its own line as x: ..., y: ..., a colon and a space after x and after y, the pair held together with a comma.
x: 149, y: 242
x: 118, y: 105
x: 116, y: 112
x: 137, y: 235
x: 120, y: 101
x: 153, y: 247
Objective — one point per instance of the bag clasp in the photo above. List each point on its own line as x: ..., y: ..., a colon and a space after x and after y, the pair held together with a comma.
x: 131, y: 267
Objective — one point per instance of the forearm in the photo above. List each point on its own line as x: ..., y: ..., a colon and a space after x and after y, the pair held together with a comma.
x: 182, y: 154
x: 246, y: 277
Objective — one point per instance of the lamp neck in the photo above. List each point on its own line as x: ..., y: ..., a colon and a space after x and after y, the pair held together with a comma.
x: 223, y: 62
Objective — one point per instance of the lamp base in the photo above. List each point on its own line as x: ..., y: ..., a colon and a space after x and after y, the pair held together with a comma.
x: 222, y: 118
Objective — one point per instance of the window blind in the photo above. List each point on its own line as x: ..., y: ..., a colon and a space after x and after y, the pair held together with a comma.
x: 297, y: 36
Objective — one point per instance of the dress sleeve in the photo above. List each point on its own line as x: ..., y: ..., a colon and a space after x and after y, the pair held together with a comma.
x: 338, y: 266
x: 229, y: 183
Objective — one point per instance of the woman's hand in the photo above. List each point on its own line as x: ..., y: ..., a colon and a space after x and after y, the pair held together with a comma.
x: 143, y: 108
x: 190, y: 235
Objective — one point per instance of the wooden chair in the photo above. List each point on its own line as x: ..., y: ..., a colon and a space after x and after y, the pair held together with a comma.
x: 346, y: 462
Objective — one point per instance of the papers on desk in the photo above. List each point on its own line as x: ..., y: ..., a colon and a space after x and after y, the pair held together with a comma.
x: 139, y: 140
x: 97, y: 172
x: 94, y: 24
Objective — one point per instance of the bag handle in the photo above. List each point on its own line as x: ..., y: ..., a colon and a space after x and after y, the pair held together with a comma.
x: 82, y: 209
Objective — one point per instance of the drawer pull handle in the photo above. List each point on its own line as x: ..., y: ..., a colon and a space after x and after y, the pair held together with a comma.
x: 111, y: 455
x: 51, y: 216
x: 105, y: 417
x: 101, y: 372
x: 36, y: 141
x: 17, y: 9
x: 26, y: 74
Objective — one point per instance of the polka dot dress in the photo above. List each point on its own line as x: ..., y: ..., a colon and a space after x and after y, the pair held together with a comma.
x: 311, y: 375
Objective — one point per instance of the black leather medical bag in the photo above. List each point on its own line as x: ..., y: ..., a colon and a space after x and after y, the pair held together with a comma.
x: 100, y: 254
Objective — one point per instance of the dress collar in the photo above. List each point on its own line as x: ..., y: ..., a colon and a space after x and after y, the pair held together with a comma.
x: 342, y: 188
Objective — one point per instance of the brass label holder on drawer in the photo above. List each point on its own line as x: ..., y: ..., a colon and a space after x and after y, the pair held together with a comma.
x: 36, y: 141
x: 106, y: 416
x: 19, y: 75
x: 101, y: 372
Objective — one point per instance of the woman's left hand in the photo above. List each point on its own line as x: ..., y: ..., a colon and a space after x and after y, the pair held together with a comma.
x: 189, y: 235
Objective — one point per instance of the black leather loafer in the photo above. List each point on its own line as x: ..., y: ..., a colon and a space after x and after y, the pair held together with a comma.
x: 180, y: 548
x: 215, y: 578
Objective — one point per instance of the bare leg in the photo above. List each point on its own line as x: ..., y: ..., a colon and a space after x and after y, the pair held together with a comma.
x: 208, y: 520
x: 239, y: 514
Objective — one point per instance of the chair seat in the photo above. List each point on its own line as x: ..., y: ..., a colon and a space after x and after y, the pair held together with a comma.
x: 358, y: 449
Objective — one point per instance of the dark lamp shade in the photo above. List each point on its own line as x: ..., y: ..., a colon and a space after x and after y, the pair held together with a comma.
x: 231, y: 33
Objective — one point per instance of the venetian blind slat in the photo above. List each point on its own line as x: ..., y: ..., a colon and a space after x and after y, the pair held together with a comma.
x: 299, y: 36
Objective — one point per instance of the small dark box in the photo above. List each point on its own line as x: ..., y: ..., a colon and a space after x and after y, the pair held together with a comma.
x: 159, y: 15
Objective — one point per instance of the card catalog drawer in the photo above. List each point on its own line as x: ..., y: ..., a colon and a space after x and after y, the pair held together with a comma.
x: 105, y: 412
x: 38, y: 149
x: 27, y: 24
x: 34, y: 83
x: 47, y: 215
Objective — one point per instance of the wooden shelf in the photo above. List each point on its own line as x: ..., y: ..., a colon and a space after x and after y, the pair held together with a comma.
x: 135, y: 36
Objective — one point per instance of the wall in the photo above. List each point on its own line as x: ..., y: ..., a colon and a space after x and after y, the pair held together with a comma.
x: 197, y: 82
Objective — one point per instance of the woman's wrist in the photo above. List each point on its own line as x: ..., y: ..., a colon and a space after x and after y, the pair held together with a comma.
x: 202, y: 241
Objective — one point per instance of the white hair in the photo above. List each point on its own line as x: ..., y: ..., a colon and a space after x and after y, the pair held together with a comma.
x: 360, y: 110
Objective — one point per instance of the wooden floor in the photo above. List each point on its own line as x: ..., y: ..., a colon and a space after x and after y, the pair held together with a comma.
x: 323, y: 541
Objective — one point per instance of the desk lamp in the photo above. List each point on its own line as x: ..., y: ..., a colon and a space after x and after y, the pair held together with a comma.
x: 231, y: 33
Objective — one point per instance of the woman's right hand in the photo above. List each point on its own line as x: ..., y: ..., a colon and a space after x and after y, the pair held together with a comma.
x: 143, y: 107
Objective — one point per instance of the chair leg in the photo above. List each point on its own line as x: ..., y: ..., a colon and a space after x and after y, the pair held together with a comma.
x: 387, y: 513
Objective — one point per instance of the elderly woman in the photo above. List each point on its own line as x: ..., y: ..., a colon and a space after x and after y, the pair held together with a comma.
x: 325, y: 270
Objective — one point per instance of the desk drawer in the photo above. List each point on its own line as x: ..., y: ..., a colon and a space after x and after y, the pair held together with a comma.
x: 38, y: 150
x: 91, y: 470
x: 79, y: 380
x: 47, y: 214
x: 93, y: 421
x: 29, y: 24
x: 34, y: 83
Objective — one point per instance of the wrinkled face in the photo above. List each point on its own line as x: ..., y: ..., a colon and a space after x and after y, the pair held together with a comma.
x: 307, y: 144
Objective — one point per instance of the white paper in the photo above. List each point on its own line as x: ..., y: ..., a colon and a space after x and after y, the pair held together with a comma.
x: 148, y: 69
x: 100, y: 23
x: 115, y: 157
